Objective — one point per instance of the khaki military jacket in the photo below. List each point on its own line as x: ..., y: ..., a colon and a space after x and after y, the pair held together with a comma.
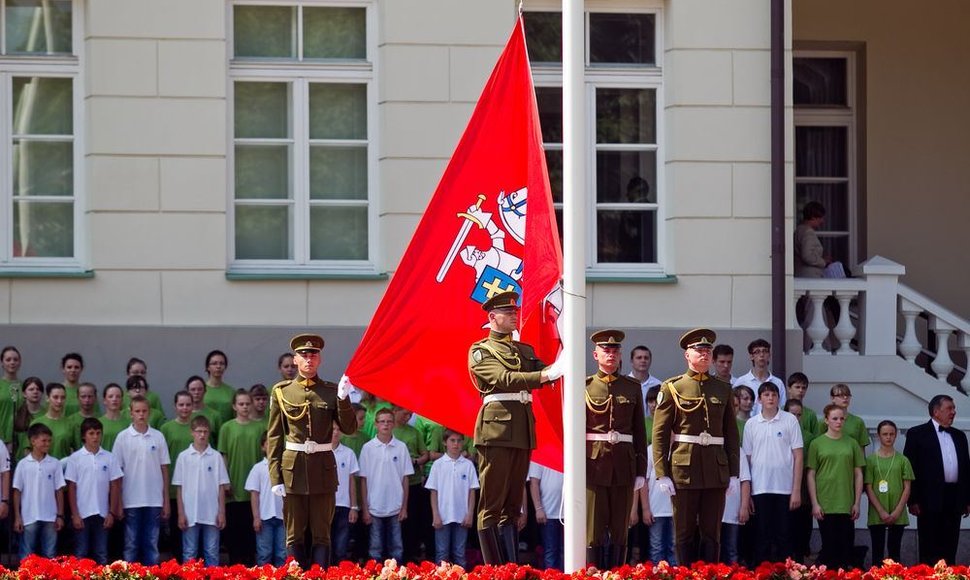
x: 304, y: 410
x: 690, y: 405
x: 499, y: 364
x: 620, y: 463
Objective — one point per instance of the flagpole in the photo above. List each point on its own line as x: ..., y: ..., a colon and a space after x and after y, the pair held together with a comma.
x: 574, y: 283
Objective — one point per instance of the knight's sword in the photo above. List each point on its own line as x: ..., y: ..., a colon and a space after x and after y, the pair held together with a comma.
x: 466, y: 227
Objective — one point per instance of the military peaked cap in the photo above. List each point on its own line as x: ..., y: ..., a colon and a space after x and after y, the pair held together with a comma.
x: 312, y: 342
x: 608, y: 337
x: 502, y: 300
x: 698, y: 338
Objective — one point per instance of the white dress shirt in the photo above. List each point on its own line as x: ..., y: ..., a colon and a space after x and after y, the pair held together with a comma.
x: 951, y: 465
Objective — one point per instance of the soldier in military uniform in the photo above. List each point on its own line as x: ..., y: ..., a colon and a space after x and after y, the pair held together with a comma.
x: 616, y: 452
x: 504, y: 371
x: 696, y: 449
x: 302, y: 468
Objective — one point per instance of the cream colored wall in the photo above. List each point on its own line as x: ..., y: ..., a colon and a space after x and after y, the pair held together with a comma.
x: 717, y: 175
x: 156, y: 183
x: 432, y: 74
x: 918, y: 132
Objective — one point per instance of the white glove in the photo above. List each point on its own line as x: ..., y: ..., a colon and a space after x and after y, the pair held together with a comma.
x: 555, y: 370
x: 734, y: 486
x: 344, y: 387
x: 279, y: 490
x: 665, y: 485
x: 639, y: 482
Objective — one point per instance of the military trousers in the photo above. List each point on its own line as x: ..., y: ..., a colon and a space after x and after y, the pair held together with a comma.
x: 608, y: 510
x: 314, y: 510
x: 697, y: 518
x: 501, y: 474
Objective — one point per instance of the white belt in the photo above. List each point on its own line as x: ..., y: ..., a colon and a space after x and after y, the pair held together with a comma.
x: 704, y: 439
x: 309, y: 447
x: 522, y: 397
x: 611, y: 437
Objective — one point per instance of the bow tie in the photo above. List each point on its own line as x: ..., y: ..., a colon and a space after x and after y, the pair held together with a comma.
x: 941, y: 429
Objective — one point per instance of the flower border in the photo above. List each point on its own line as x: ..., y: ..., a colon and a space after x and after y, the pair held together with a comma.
x: 70, y: 568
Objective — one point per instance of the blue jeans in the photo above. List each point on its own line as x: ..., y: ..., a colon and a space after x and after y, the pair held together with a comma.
x: 385, y: 538
x: 39, y: 538
x: 662, y: 541
x: 449, y: 544
x: 92, y: 540
x: 340, y: 533
x: 729, y: 543
x: 209, y: 535
x: 271, y: 543
x: 552, y: 541
x: 141, y: 534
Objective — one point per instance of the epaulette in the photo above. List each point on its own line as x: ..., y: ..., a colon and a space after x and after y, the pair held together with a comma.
x: 589, y: 379
x: 281, y: 384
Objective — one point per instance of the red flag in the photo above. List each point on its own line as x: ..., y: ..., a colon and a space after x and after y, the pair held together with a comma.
x: 473, y: 242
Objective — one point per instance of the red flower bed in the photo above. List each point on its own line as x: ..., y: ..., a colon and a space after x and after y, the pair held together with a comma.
x: 67, y: 568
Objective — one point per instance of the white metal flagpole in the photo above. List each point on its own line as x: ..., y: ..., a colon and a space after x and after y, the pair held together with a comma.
x: 574, y: 283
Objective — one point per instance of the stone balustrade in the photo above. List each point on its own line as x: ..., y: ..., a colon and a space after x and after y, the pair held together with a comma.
x: 881, y: 305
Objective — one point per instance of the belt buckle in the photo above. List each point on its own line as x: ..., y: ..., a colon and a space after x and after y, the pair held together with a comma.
x: 704, y: 438
x: 311, y: 447
x: 613, y: 437
x: 524, y: 397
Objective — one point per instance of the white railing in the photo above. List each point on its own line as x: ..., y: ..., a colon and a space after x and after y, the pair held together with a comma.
x: 881, y: 303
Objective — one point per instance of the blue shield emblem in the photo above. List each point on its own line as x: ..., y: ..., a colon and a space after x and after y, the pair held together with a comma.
x: 492, y: 282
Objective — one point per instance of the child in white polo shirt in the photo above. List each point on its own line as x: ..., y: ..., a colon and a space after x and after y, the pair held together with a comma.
x: 452, y: 482
x: 93, y: 492
x: 201, y: 480
x: 267, y: 508
x: 38, y: 496
x: 143, y: 456
x: 545, y: 487
x: 346, y: 508
x: 385, y: 465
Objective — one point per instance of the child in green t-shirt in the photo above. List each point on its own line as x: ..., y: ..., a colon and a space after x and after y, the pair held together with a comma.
x: 888, y: 478
x: 239, y: 442
x: 854, y: 427
x: 33, y: 406
x: 835, y: 465
x: 114, y: 420
x: 61, y: 426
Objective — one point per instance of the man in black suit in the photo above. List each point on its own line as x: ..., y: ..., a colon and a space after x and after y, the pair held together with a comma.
x: 939, y: 496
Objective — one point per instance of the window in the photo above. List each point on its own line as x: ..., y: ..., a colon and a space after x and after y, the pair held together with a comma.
x: 39, y: 100
x: 826, y: 115
x: 624, y: 87
x: 303, y: 160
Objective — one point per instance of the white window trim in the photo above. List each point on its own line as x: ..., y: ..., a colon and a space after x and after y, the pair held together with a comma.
x: 59, y: 66
x: 837, y: 117
x: 299, y: 75
x: 546, y: 75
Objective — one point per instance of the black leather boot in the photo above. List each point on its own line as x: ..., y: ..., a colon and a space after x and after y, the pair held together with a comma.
x: 710, y: 551
x: 592, y: 556
x: 296, y: 551
x: 510, y: 544
x: 321, y: 556
x: 488, y: 539
x: 686, y: 553
x: 617, y: 555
